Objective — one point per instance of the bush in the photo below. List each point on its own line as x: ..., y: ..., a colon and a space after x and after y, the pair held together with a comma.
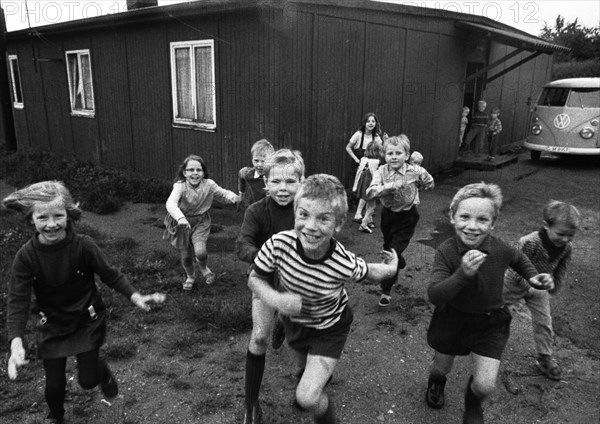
x: 586, y: 68
x: 99, y: 189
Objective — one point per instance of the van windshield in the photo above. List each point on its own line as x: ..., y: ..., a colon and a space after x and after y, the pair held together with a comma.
x: 570, y: 97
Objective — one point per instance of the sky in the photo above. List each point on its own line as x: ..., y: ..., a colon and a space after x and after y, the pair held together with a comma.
x: 528, y: 16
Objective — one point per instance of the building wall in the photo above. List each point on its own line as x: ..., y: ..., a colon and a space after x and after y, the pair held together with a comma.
x: 302, y: 80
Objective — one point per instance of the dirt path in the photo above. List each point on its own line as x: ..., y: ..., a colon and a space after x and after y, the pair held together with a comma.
x: 382, y: 375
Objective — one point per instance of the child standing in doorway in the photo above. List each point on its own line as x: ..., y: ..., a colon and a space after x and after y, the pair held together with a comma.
x: 466, y: 288
x: 364, y: 175
x: 478, y: 128
x: 59, y: 267
x: 313, y: 268
x: 464, y: 121
x: 493, y: 129
x: 284, y: 171
x: 549, y: 249
x: 369, y: 131
x: 251, y: 179
x: 187, y: 224
x: 397, y: 185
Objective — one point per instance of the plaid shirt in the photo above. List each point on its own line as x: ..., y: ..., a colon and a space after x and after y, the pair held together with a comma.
x: 407, y: 180
x: 494, y: 126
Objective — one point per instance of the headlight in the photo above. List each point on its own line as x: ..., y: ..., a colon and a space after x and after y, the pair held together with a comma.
x: 586, y: 133
x: 536, y: 129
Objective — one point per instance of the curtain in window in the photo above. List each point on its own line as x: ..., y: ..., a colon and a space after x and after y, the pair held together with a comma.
x: 87, y: 96
x: 185, y: 108
x: 74, y: 78
x: 204, y: 84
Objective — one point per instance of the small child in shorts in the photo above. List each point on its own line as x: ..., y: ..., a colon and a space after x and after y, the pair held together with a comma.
x: 466, y: 288
x: 549, y: 250
x: 313, y: 268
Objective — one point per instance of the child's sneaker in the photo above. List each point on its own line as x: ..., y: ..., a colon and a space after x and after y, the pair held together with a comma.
x: 548, y: 365
x: 371, y: 225
x: 210, y: 277
x: 357, y: 219
x: 435, y: 391
x: 188, y: 284
x: 385, y: 300
x: 109, y: 386
x: 365, y: 230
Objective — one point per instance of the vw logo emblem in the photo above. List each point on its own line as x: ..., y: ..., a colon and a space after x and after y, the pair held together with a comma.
x: 562, y: 121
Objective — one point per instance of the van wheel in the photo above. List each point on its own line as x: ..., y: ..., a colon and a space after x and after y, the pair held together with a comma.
x: 535, y: 155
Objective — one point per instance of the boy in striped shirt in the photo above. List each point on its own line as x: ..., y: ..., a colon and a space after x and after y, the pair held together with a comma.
x: 313, y: 268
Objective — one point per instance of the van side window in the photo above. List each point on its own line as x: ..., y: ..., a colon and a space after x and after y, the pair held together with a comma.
x: 552, y: 96
x: 584, y: 98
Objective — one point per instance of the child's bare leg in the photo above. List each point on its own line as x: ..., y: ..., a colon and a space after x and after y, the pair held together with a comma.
x: 361, y: 205
x: 309, y: 393
x: 187, y: 262
x: 485, y: 372
x: 202, y: 258
x: 442, y: 364
x: 262, y: 324
x: 368, y: 218
x: 263, y: 319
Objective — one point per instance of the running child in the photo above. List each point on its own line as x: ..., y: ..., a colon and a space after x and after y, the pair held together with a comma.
x: 251, y: 179
x: 364, y: 175
x: 397, y: 186
x: 284, y: 171
x: 187, y: 224
x: 58, y: 266
x: 313, y: 268
x: 466, y: 288
x: 549, y: 250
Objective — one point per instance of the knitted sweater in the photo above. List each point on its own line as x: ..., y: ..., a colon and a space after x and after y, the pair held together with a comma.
x: 61, y: 276
x: 262, y: 220
x: 482, y: 292
x: 545, y: 256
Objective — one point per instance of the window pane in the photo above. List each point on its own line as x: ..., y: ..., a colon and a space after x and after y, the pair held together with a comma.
x: 87, y: 93
x: 554, y: 97
x: 185, y: 107
x: 204, y: 85
x: 584, y: 97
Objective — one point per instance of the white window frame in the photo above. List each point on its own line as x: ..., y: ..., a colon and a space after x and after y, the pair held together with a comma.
x: 16, y: 90
x: 193, y: 123
x: 88, y: 112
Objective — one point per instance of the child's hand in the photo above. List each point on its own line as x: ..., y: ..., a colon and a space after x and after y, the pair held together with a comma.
x: 471, y: 261
x: 183, y: 222
x: 542, y: 282
x: 142, y: 300
x: 390, y: 258
x: 289, y: 303
x: 17, y: 357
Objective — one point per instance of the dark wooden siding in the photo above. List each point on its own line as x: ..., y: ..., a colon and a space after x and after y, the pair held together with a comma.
x: 149, y: 87
x: 113, y: 98
x: 511, y: 91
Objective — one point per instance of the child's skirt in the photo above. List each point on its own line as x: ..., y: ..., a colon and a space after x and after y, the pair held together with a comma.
x: 364, y: 181
x: 181, y: 237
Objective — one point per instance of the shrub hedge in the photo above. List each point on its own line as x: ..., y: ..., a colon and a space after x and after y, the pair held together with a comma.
x: 99, y: 189
x: 586, y: 68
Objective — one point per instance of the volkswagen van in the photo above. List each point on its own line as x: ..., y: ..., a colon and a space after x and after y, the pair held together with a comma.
x: 565, y: 118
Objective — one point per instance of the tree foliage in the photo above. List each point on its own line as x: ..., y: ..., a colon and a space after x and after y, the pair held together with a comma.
x: 583, y: 41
